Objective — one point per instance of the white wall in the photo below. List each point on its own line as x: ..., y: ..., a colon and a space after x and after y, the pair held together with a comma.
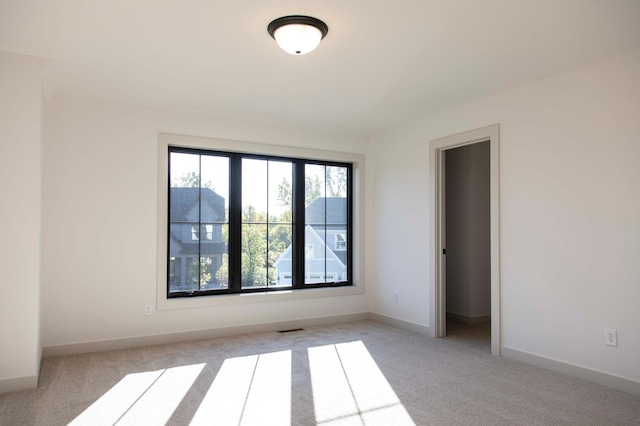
x: 21, y: 102
x: 468, y: 243
x: 570, y: 203
x: 100, y: 222
x: 570, y: 233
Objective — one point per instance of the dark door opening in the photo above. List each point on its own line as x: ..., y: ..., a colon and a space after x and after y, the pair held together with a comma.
x: 468, y: 244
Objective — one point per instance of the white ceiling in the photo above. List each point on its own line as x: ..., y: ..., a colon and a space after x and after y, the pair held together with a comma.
x: 382, y: 63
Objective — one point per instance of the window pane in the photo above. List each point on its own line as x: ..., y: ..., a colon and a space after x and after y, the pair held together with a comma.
x: 322, y: 264
x: 254, y: 255
x: 340, y: 240
x: 254, y: 190
x: 326, y: 223
x: 315, y: 256
x: 214, y: 257
x: 192, y: 266
x: 336, y: 208
x: 175, y: 271
x: 222, y: 273
x: 337, y: 195
x: 184, y: 177
x: 180, y: 254
x: 337, y: 252
x: 336, y: 179
x: 215, y: 178
x: 198, y: 222
x: 280, y: 191
x: 185, y: 170
x: 314, y: 184
x: 280, y: 255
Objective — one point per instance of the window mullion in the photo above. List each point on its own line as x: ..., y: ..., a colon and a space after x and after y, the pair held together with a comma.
x: 266, y: 269
x: 199, y: 229
x: 349, y: 226
x: 168, y: 294
x: 297, y: 251
x: 235, y: 223
x: 326, y: 237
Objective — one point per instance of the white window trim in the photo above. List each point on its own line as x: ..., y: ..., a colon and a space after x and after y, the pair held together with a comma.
x: 165, y: 140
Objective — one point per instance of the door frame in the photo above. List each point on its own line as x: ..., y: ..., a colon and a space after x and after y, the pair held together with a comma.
x: 438, y: 304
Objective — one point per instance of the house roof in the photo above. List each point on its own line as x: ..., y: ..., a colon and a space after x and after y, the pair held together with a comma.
x: 202, y: 248
x: 183, y: 200
x: 335, y: 208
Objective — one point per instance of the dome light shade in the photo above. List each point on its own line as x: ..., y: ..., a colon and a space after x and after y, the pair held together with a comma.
x: 297, y: 34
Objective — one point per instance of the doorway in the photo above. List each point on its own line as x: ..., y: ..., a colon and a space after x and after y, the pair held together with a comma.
x: 470, y: 267
x: 467, y: 249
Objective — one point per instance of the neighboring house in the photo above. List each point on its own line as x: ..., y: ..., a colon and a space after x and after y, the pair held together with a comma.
x: 195, y: 252
x: 325, y: 248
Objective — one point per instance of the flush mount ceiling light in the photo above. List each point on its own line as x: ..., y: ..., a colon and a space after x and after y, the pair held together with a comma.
x: 297, y: 34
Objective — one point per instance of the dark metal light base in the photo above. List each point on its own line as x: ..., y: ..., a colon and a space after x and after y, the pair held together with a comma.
x: 297, y: 19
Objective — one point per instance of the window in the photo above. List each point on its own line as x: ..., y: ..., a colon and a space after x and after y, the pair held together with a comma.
x: 175, y: 268
x: 242, y: 223
x: 204, y: 232
x: 308, y: 251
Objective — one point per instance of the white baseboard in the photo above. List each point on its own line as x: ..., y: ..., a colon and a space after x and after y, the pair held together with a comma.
x: 31, y: 382
x: 405, y: 325
x: 159, y: 339
x: 573, y: 370
x: 16, y: 384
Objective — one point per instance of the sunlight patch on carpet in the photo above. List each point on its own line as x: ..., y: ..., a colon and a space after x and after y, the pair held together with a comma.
x: 349, y: 388
x: 251, y: 390
x: 142, y: 397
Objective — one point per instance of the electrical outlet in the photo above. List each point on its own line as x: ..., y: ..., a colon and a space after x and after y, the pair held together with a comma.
x: 148, y: 309
x: 610, y: 337
x: 396, y: 296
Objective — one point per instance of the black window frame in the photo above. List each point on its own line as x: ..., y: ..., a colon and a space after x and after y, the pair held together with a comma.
x: 234, y: 248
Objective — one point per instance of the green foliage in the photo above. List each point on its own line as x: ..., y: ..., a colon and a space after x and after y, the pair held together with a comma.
x: 189, y: 180
x: 254, y: 248
x: 279, y: 240
x: 334, y: 185
x: 312, y: 189
x: 336, y: 182
x: 199, y: 273
x: 222, y: 274
x: 262, y: 245
x: 285, y: 193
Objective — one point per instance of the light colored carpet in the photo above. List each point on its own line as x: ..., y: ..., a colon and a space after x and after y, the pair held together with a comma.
x: 476, y: 336
x: 353, y: 373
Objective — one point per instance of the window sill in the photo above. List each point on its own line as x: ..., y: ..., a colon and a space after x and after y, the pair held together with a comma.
x: 258, y: 297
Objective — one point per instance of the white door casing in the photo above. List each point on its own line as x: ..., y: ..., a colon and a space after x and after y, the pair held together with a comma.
x: 437, y: 228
